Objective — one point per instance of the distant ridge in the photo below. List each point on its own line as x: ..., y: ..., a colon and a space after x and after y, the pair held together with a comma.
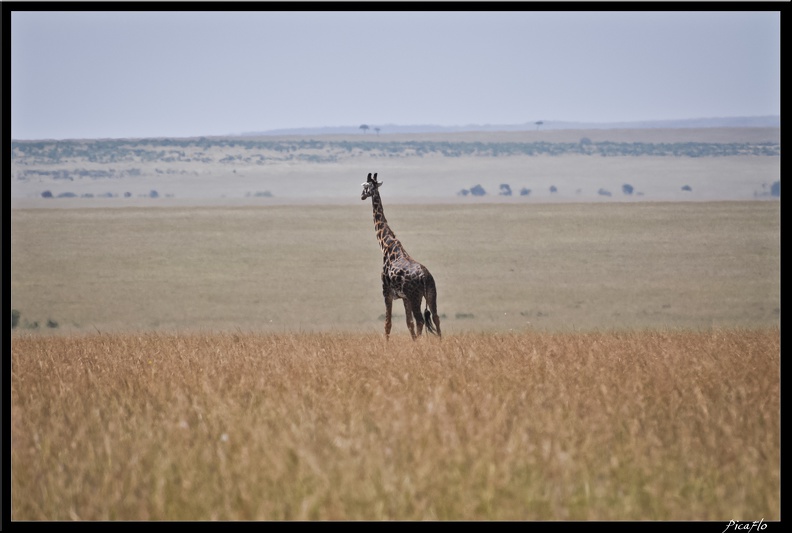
x: 724, y: 122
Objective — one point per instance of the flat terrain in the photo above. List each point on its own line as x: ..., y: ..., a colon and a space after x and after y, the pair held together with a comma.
x: 538, y: 167
x: 317, y: 268
x: 214, y: 351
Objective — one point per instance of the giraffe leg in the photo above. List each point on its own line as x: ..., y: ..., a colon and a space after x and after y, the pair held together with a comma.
x: 416, y: 311
x: 388, y: 307
x: 436, y: 320
x: 408, y: 313
x: 431, y: 303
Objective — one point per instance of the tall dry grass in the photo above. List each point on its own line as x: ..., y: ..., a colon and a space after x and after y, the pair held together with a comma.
x: 669, y: 425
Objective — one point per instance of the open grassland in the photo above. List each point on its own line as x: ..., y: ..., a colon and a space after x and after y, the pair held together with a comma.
x: 641, y: 425
x: 579, y: 165
x: 317, y: 268
x: 599, y: 361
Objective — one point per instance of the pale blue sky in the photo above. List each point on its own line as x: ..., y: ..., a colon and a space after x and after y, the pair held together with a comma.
x: 183, y: 74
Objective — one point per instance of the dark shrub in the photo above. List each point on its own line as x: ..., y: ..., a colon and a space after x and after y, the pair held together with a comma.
x: 686, y: 188
x: 775, y: 189
x: 46, y: 194
x: 14, y: 318
x: 478, y: 190
x: 627, y: 188
x: 505, y: 190
x: 525, y: 191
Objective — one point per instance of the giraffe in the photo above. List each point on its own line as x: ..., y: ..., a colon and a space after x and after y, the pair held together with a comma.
x: 402, y: 276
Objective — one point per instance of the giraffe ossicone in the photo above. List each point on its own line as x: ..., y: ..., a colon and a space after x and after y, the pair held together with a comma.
x: 402, y: 276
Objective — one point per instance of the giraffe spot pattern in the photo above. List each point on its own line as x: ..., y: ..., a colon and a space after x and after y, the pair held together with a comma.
x: 402, y: 276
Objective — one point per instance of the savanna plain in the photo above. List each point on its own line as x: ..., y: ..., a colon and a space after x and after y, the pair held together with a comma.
x: 599, y: 361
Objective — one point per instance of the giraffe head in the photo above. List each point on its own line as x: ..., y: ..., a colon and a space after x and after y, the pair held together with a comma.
x: 370, y: 186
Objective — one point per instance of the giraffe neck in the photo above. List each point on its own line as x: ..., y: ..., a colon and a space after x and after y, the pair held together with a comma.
x: 387, y: 240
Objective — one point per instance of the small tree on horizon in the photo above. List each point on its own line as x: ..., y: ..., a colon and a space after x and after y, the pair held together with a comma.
x: 364, y: 127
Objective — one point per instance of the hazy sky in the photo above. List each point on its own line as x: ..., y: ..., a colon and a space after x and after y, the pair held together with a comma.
x: 182, y: 74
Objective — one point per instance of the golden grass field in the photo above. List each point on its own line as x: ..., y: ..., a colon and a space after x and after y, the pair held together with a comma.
x: 599, y: 362
x: 208, y: 355
x: 643, y: 425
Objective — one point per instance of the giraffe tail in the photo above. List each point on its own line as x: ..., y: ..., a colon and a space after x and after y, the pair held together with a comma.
x: 428, y: 321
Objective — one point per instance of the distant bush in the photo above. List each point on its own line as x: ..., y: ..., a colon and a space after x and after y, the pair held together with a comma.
x: 505, y: 190
x: 52, y: 324
x: 686, y: 188
x: 478, y: 190
x: 14, y: 318
x: 463, y: 192
x: 127, y: 194
x: 627, y: 188
x: 525, y: 191
x: 553, y: 189
x: 153, y: 194
x: 67, y: 195
x: 46, y: 194
x: 603, y: 192
x: 146, y: 150
x: 775, y: 189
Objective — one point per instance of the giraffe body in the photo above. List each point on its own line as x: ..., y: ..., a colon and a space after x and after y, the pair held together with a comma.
x: 402, y: 276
